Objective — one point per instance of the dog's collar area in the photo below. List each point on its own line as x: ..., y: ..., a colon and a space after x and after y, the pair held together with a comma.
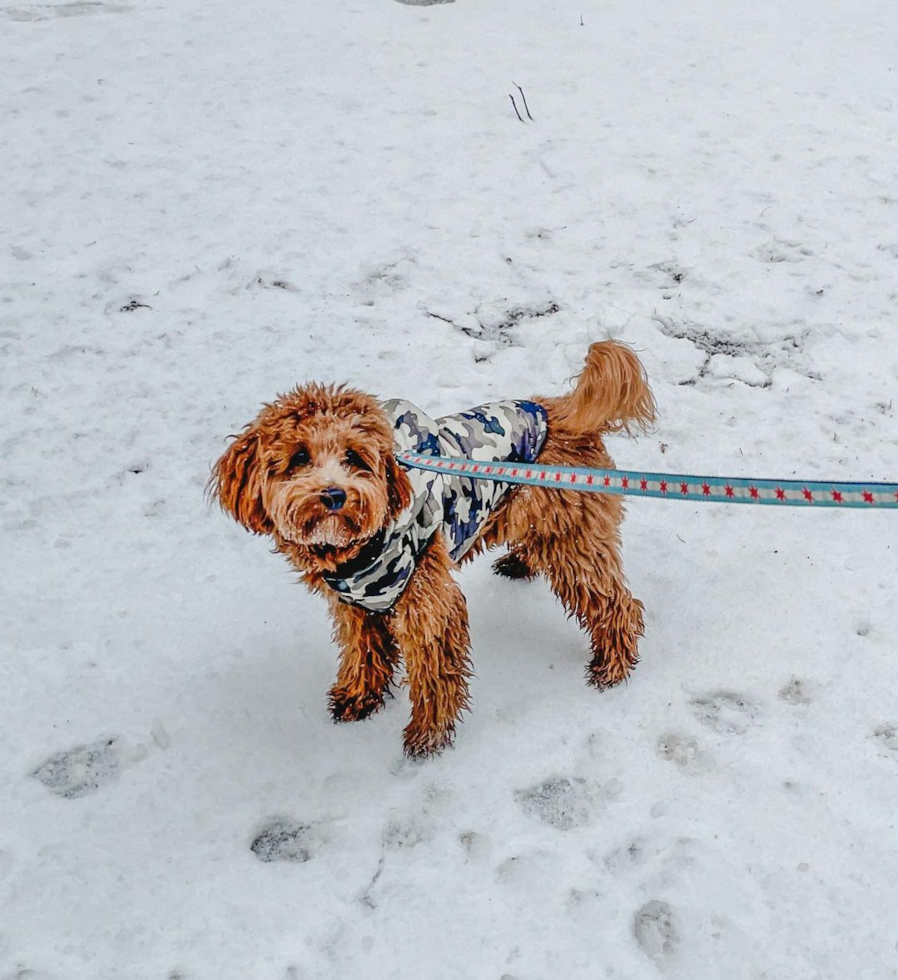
x: 362, y: 560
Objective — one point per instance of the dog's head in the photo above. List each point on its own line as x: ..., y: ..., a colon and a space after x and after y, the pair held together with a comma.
x: 315, y: 470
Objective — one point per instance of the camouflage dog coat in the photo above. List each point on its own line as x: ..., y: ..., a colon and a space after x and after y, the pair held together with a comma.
x: 512, y: 431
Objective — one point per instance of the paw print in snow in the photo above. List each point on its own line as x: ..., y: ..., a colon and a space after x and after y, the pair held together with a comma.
x: 795, y: 692
x: 654, y: 927
x: 560, y: 802
x: 282, y: 840
x: 887, y: 735
x: 724, y: 712
x: 684, y: 752
x: 82, y: 770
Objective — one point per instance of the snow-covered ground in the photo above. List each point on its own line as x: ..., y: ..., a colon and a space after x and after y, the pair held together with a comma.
x: 206, y: 201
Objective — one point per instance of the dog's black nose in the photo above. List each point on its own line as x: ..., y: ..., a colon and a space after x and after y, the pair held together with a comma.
x: 333, y: 498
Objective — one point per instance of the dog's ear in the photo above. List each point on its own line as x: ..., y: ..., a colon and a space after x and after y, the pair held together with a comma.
x: 399, y: 487
x: 236, y: 482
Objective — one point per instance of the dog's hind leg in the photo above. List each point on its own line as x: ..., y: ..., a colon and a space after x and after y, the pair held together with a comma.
x: 591, y: 586
x: 573, y: 540
x: 430, y: 624
x: 368, y: 656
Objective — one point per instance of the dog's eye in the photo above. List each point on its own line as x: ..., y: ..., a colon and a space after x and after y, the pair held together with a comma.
x: 298, y: 459
x: 353, y: 459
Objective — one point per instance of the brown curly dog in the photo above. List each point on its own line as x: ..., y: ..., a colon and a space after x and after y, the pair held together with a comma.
x: 316, y: 471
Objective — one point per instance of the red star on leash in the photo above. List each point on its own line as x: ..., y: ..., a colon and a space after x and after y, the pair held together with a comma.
x: 837, y: 496
x: 868, y: 497
x: 780, y: 494
x: 706, y: 490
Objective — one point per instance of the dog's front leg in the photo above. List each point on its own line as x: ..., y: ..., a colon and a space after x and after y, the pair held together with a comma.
x: 368, y: 656
x: 431, y: 627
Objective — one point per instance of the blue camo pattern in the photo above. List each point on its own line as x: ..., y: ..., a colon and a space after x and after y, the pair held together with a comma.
x: 511, y: 431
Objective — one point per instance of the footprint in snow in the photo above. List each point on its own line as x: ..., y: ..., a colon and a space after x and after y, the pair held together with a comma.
x: 400, y: 834
x: 654, y: 927
x: 475, y: 845
x: 82, y: 770
x: 559, y: 802
x: 780, y: 250
x: 627, y: 856
x: 795, y: 692
x: 887, y: 735
x: 724, y: 712
x: 684, y: 751
x: 282, y: 839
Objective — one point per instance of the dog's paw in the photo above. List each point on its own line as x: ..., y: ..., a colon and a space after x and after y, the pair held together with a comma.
x: 512, y: 566
x: 602, y: 675
x: 352, y: 707
x: 419, y: 744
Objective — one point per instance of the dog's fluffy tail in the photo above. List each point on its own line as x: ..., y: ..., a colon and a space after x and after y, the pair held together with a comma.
x: 612, y: 393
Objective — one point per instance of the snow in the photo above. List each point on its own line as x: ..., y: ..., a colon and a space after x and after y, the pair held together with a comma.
x: 207, y: 202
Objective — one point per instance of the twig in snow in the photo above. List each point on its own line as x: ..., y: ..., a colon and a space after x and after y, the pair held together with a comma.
x: 437, y: 316
x: 524, y: 97
x: 515, y: 106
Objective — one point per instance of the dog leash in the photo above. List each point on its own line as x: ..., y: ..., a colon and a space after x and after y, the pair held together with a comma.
x: 668, y: 486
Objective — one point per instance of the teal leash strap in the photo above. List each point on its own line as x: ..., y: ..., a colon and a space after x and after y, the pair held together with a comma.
x: 667, y: 486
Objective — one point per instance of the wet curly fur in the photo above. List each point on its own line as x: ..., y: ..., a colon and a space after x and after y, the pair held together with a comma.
x: 315, y: 471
